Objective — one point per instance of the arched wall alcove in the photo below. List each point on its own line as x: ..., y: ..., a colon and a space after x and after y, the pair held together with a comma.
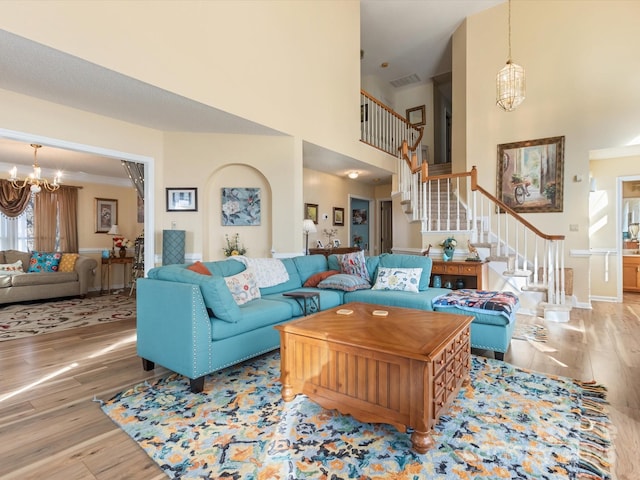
x: 256, y: 238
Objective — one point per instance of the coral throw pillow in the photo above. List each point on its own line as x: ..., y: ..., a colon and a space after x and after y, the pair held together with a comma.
x: 68, y: 262
x: 314, y: 280
x: 199, y: 267
x: 44, y: 262
x: 243, y: 286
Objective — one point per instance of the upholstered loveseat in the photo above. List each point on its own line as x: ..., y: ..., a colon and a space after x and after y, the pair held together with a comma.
x: 17, y: 284
x: 192, y: 324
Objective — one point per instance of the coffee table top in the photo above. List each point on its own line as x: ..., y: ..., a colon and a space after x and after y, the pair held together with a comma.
x: 413, y: 333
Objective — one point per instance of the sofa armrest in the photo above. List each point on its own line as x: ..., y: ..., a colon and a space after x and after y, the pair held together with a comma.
x: 86, y: 269
x: 173, y: 327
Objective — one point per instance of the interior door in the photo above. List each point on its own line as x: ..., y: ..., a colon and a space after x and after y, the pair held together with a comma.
x: 386, y: 230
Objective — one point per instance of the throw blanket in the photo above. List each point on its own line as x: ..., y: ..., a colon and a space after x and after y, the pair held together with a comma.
x: 498, y: 303
x: 268, y: 271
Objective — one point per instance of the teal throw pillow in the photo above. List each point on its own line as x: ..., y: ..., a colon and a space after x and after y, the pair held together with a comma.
x: 44, y: 262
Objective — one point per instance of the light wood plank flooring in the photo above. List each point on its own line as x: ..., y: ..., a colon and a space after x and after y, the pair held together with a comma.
x: 50, y: 427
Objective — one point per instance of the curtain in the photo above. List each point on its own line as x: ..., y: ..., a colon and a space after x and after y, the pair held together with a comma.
x: 136, y: 174
x: 68, y: 211
x: 45, y: 221
x: 13, y: 202
x: 52, y: 210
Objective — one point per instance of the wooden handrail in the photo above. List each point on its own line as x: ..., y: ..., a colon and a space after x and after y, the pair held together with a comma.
x: 380, y: 104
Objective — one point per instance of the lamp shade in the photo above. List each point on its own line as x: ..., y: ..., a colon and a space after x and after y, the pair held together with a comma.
x: 308, y: 226
x: 114, y: 230
x: 173, y: 242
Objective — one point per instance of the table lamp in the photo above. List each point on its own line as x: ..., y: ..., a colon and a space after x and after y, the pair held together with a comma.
x: 308, y: 227
x: 113, y: 231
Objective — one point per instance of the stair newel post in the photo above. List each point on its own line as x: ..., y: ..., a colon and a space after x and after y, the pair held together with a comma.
x: 474, y: 178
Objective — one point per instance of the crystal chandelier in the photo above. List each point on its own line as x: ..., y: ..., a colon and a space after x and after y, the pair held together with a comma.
x: 510, y: 81
x: 34, y: 181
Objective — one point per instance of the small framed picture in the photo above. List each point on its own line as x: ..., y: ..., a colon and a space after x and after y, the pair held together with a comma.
x: 182, y: 199
x: 106, y: 214
x: 338, y: 216
x: 319, y: 244
x: 415, y: 116
x: 336, y: 243
x: 311, y: 212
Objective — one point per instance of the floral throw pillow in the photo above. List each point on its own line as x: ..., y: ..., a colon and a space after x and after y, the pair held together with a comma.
x: 243, y: 286
x: 354, y: 264
x: 44, y: 262
x: 11, y: 268
x: 405, y: 279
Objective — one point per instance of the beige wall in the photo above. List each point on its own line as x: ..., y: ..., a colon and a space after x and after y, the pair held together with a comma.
x: 328, y: 191
x: 579, y: 85
x: 605, y: 223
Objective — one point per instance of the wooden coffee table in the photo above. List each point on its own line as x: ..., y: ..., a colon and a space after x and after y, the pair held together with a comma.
x: 402, y: 369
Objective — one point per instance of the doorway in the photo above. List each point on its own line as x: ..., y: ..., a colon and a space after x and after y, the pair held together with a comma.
x: 386, y: 226
x: 360, y: 220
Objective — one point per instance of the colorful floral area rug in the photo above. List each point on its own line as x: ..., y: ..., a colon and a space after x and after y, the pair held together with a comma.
x: 509, y: 423
x: 36, y: 318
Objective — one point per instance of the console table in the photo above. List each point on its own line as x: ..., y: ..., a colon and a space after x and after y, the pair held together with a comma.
x: 337, y: 250
x: 474, y: 274
x: 109, y: 262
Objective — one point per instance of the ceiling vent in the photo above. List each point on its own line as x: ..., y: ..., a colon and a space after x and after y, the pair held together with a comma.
x: 408, y: 80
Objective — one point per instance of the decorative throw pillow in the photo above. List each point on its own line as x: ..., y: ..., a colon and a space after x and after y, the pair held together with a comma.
x: 199, y: 267
x: 68, y: 262
x: 314, y: 280
x: 345, y: 282
x: 354, y: 264
x: 11, y: 268
x: 44, y: 262
x: 405, y: 279
x: 243, y: 286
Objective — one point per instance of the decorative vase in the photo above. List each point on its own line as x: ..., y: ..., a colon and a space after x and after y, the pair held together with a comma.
x: 437, y: 281
x: 123, y: 252
x: 459, y: 283
x: 447, y: 256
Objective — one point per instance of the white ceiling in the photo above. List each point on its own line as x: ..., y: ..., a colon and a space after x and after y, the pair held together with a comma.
x: 413, y: 36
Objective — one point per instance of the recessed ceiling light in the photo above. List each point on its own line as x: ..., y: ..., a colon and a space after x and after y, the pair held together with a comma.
x: 384, y: 64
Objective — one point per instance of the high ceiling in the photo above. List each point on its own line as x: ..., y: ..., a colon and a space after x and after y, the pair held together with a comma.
x: 412, y: 36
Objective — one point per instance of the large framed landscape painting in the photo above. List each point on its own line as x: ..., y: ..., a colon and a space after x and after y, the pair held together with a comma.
x: 530, y: 175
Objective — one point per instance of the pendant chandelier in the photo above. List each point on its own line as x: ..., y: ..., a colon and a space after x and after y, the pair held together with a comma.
x: 34, y: 180
x: 510, y: 81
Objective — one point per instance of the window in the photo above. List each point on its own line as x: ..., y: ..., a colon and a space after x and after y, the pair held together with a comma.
x: 17, y: 233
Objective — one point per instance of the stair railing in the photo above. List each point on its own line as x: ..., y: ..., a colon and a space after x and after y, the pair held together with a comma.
x: 455, y: 202
x: 383, y: 128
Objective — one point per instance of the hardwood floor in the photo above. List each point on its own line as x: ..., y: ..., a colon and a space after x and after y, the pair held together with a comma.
x: 50, y: 427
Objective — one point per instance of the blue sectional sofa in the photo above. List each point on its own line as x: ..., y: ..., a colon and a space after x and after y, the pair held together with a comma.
x: 190, y: 323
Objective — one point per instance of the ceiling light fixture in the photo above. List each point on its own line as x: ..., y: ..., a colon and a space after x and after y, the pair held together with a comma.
x: 510, y: 81
x: 34, y: 181
x: 353, y: 175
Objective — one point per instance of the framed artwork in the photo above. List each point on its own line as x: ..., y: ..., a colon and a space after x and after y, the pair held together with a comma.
x: 359, y: 216
x: 311, y: 212
x: 338, y: 216
x: 106, y: 213
x: 530, y: 175
x: 336, y: 243
x: 241, y: 206
x: 415, y: 116
x: 182, y: 199
x: 319, y: 244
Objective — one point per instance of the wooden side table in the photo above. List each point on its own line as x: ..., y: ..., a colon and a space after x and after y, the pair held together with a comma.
x: 474, y: 274
x: 109, y: 262
x: 336, y: 250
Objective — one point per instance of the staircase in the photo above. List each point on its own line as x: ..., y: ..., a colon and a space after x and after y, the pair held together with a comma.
x: 530, y: 261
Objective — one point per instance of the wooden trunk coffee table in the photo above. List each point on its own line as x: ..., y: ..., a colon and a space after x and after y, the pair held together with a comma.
x: 402, y: 369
